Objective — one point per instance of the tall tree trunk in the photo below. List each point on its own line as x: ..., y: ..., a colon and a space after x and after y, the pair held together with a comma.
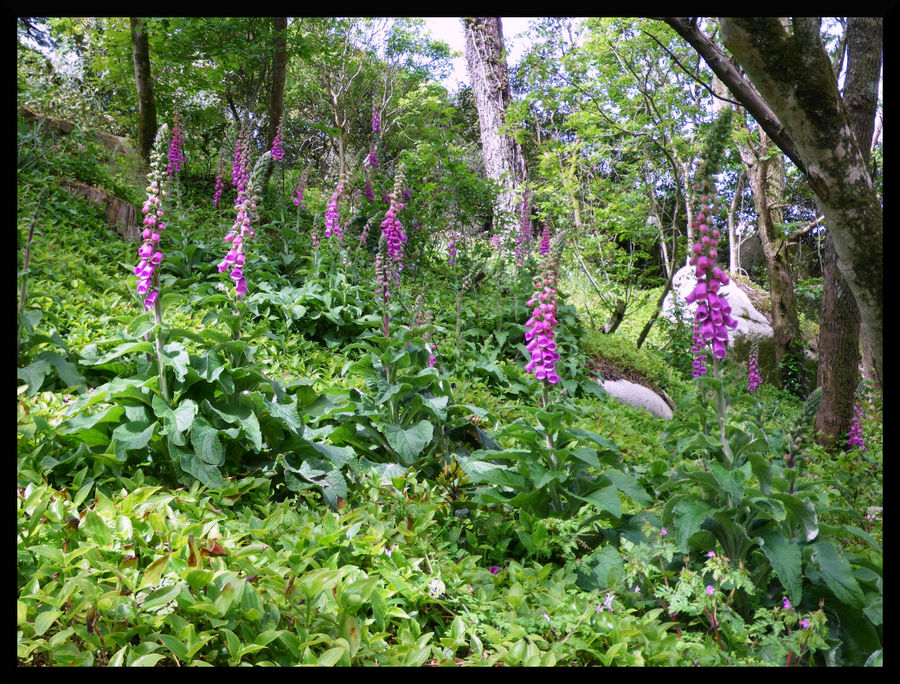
x: 839, y: 329
x: 146, y: 102
x: 503, y: 158
x: 279, y: 77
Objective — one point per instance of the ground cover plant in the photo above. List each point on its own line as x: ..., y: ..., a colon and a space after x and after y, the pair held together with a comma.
x: 327, y: 419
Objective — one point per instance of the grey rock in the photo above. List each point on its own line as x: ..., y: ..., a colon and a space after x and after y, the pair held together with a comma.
x: 750, y: 322
x: 639, y: 396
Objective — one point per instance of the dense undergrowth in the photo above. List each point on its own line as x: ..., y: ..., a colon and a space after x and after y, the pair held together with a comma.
x: 310, y: 491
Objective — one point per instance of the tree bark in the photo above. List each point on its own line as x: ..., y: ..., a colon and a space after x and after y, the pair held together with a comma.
x: 792, y: 72
x: 144, y: 82
x: 279, y: 77
x: 765, y: 173
x: 502, y: 154
x: 839, y: 329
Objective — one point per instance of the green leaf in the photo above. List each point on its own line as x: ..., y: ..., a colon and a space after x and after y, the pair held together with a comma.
x: 628, y: 486
x: 837, y: 573
x: 44, y: 620
x: 601, y: 570
x: 148, y: 660
x: 331, y: 657
x: 153, y: 573
x: 131, y: 436
x: 175, y: 421
x: 606, y: 498
x: 66, y: 370
x: 786, y: 559
x: 801, y: 511
x: 94, y: 526
x: 206, y: 443
x: 33, y: 375
x: 409, y: 443
x: 175, y: 356
x: 688, y: 516
x: 286, y: 413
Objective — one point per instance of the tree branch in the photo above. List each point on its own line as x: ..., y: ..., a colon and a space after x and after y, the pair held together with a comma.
x: 745, y: 93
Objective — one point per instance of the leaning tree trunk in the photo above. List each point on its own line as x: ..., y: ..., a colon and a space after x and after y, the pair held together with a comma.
x: 792, y: 72
x: 146, y: 102
x: 765, y: 174
x: 502, y: 154
x: 839, y: 328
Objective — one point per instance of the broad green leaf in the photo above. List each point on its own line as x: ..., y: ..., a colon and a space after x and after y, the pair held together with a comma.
x: 153, y: 573
x: 786, y: 559
x: 206, y: 443
x: 628, y: 486
x: 66, y: 370
x: 286, y: 413
x: 409, y: 442
x: 44, y: 620
x: 602, y: 569
x: 161, y: 597
x: 148, y: 660
x: 331, y: 657
x: 837, y: 573
x: 606, y: 498
x: 688, y: 516
x: 33, y: 375
x: 94, y: 526
x: 803, y: 512
x: 175, y: 356
x: 131, y: 436
x: 175, y: 421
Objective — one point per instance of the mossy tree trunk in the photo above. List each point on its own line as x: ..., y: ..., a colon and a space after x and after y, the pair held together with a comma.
x: 839, y: 330
x: 790, y: 68
x: 279, y: 78
x: 765, y: 173
x: 144, y: 82
x: 502, y: 154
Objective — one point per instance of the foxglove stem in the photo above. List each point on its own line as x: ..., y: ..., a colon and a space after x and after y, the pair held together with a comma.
x: 721, y: 407
x: 157, y: 317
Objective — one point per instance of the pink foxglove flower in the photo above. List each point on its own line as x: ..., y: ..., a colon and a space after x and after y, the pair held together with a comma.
x: 713, y: 313
x: 220, y: 184
x: 392, y: 230
x: 277, y: 149
x: 855, y: 437
x: 149, y: 253
x: 539, y: 329
x: 176, y: 149
x: 545, y: 242
x: 753, y: 378
x: 699, y: 351
x: 376, y: 122
x: 332, y: 217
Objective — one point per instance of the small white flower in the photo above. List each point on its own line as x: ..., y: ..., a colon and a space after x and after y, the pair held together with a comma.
x: 436, y: 587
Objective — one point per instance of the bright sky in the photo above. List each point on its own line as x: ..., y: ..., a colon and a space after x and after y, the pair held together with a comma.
x: 449, y: 30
